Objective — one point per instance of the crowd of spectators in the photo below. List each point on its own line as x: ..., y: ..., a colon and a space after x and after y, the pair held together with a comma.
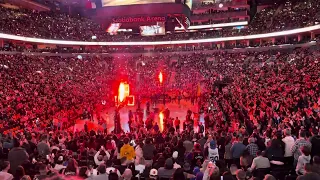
x: 261, y: 117
x: 53, y: 25
x: 261, y: 110
x: 35, y: 91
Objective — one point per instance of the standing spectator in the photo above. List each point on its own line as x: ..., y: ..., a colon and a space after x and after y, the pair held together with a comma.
x: 197, y: 156
x: 43, y: 146
x: 148, y: 151
x: 213, y: 151
x: 252, y: 147
x: 302, y: 141
x: 188, y: 145
x: 303, y: 159
x: 177, y: 124
x: 315, y: 142
x: 101, y: 156
x: 127, y: 150
x: 289, y: 142
x: 138, y: 152
x: 221, y: 141
x: 237, y: 150
x: 4, y: 175
x: 17, y: 156
x: 227, y: 153
x: 274, y: 151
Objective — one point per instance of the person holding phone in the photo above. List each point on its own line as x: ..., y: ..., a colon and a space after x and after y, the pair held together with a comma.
x: 101, y: 155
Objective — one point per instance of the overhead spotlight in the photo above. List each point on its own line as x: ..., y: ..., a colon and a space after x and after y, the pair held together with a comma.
x: 220, y: 5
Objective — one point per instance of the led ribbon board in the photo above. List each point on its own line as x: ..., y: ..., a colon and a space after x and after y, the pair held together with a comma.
x: 84, y: 43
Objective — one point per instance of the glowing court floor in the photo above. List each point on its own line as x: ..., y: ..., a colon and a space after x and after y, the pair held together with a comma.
x: 176, y: 110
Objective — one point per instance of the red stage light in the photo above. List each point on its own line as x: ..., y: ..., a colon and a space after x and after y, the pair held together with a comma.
x: 160, y: 77
x: 161, y: 117
x: 121, y: 92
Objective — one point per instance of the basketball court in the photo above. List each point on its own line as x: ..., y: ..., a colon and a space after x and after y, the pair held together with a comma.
x: 176, y: 110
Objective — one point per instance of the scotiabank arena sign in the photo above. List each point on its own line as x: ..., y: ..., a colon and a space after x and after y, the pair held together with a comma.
x: 141, y: 19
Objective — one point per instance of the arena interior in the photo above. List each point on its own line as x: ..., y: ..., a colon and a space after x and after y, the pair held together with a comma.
x: 159, y: 90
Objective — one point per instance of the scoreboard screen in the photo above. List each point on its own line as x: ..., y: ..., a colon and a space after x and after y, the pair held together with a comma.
x: 131, y: 2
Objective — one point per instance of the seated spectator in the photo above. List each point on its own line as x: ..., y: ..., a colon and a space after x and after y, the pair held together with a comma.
x: 260, y: 162
x: 84, y: 172
x: 123, y: 166
x: 309, y: 174
x: 26, y: 177
x: 110, y: 169
x: 174, y: 158
x: 269, y: 177
x: 211, y: 171
x: 127, y: 175
x: 153, y: 174
x: 245, y: 160
x: 240, y: 174
x: 59, y: 164
x: 5, y: 166
x: 71, y: 169
x: 316, y: 164
x: 102, y: 174
x: 167, y: 171
x: 141, y: 166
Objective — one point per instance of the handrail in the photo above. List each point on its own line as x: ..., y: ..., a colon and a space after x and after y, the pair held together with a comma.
x: 222, y: 39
